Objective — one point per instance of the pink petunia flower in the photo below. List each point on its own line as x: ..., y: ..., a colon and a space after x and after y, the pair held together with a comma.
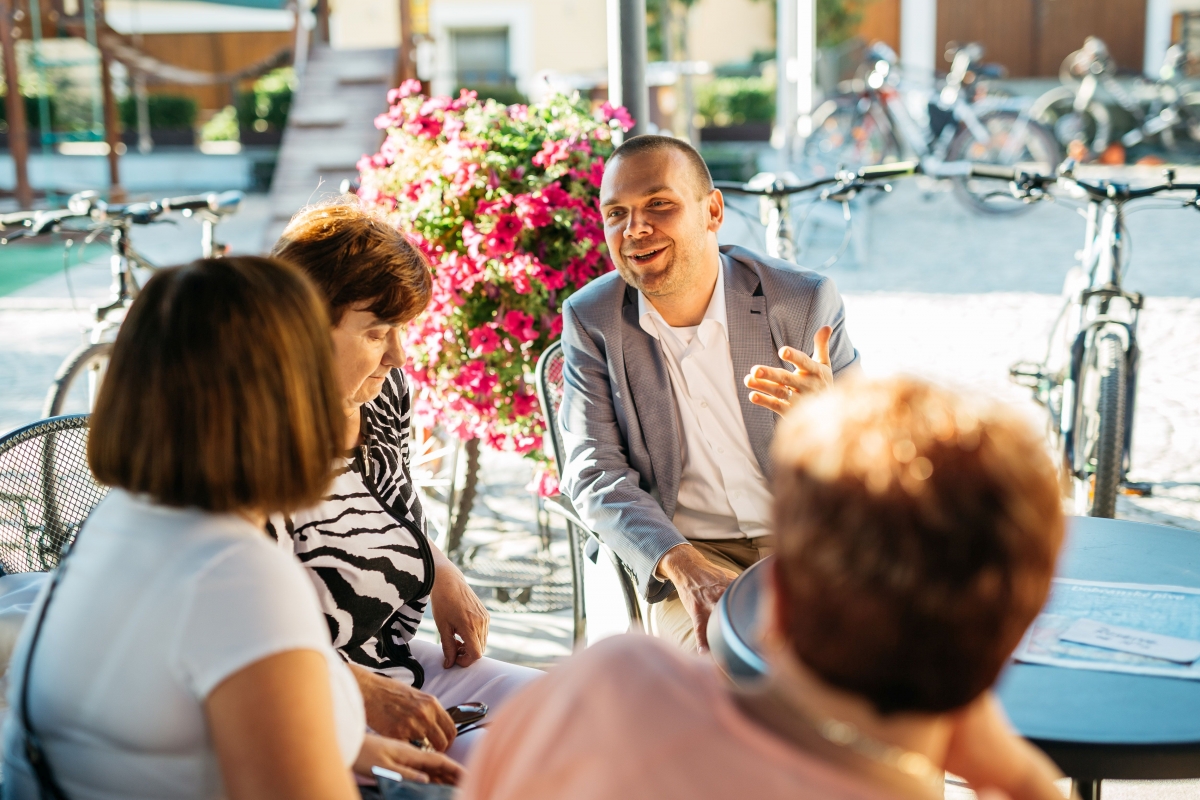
x: 520, y: 325
x: 484, y: 339
x: 618, y: 114
x: 524, y: 403
x: 544, y: 482
x: 552, y: 152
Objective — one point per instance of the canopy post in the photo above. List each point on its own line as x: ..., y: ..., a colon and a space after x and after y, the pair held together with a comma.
x: 112, y: 135
x: 406, y: 58
x: 18, y: 131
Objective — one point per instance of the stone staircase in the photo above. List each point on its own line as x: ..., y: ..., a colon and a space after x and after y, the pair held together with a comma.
x: 330, y: 127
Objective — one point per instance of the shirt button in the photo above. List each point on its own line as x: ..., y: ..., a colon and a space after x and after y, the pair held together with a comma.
x: 703, y: 404
x: 720, y: 449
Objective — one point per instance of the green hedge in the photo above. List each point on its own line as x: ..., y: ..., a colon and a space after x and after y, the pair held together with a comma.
x: 266, y: 106
x: 734, y: 101
x: 508, y: 95
x: 33, y: 113
x: 167, y: 112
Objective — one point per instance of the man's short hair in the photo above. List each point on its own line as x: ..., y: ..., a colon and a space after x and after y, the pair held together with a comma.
x: 916, y: 533
x: 354, y: 257
x: 648, y: 143
x: 220, y: 393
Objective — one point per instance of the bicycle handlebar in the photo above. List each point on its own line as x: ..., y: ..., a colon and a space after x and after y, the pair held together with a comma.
x: 897, y: 170
x: 996, y: 171
x: 222, y: 204
x: 86, y: 205
x: 780, y: 189
x: 1107, y: 190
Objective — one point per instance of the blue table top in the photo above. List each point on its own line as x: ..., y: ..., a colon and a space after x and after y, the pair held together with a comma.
x: 1072, y: 705
x: 1098, y: 724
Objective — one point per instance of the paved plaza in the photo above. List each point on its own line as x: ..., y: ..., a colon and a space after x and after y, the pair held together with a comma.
x: 931, y: 290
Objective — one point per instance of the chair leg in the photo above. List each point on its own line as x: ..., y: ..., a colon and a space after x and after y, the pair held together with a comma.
x: 578, y: 608
x: 1085, y: 789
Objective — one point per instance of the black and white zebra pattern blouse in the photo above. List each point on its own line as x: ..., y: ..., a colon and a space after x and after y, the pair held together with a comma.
x: 365, y: 545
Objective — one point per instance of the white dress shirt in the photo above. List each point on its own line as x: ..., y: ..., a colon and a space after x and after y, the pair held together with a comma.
x: 722, y: 491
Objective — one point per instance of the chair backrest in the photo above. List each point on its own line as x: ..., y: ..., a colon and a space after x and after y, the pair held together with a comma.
x: 550, y: 393
x: 46, y: 492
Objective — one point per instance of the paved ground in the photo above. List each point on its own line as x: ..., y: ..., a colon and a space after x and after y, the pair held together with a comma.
x: 931, y: 291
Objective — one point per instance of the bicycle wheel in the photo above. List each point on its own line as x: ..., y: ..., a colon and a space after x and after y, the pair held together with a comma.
x: 1013, y: 140
x: 846, y: 135
x: 1090, y: 129
x: 78, y: 380
x: 1100, y: 428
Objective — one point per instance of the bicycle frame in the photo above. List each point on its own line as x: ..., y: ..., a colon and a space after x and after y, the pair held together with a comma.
x: 906, y: 133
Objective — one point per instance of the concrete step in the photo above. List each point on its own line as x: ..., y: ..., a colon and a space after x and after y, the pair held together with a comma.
x: 330, y: 128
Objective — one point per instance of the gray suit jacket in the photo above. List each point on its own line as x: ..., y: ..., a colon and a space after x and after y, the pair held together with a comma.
x: 619, y: 423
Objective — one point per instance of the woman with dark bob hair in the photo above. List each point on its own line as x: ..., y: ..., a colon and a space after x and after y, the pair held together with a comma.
x: 181, y: 654
x: 365, y: 543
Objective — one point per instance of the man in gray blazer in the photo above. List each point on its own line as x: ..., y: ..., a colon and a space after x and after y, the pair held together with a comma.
x: 675, y: 369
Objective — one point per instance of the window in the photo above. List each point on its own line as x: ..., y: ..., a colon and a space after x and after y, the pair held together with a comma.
x: 481, y: 58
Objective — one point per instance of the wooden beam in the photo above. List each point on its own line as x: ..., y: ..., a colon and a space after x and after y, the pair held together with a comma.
x: 406, y: 58
x: 18, y: 130
x: 112, y: 133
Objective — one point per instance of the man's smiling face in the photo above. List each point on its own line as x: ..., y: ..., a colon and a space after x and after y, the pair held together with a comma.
x: 658, y: 220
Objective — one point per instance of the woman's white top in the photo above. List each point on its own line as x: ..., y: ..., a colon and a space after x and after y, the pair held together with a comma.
x: 158, y: 606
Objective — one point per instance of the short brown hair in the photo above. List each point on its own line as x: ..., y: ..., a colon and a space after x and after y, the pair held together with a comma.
x: 916, y: 533
x: 648, y: 143
x: 356, y: 257
x: 220, y: 393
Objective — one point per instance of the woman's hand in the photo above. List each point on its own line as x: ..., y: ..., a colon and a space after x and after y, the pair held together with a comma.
x: 421, y: 766
x: 986, y: 751
x: 398, y: 710
x: 461, y: 619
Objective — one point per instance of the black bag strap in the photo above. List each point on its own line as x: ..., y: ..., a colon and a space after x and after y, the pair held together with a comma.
x: 48, y: 787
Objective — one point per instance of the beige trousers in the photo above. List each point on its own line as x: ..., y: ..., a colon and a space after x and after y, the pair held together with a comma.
x: 670, y: 620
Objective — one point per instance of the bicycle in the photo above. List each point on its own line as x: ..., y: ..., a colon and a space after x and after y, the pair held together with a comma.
x: 967, y: 123
x: 1075, y: 115
x: 775, y: 193
x: 1088, y: 378
x: 95, y: 218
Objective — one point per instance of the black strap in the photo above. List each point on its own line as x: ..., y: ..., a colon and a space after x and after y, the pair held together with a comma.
x: 48, y: 787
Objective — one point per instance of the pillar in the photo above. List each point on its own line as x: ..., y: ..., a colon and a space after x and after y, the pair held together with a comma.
x: 627, y: 61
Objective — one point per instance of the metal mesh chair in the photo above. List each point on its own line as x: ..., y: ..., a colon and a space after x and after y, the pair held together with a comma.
x: 585, y: 543
x: 46, y: 492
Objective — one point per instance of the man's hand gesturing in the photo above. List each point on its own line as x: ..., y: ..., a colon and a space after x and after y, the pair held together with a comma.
x: 777, y: 389
x: 699, y: 583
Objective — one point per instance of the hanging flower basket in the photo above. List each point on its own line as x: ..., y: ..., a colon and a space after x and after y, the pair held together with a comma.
x: 503, y: 202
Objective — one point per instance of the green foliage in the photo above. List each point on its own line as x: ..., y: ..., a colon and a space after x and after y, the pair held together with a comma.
x: 735, y: 101
x: 33, y: 112
x: 654, y: 30
x: 167, y: 112
x: 838, y: 20
x: 730, y: 162
x: 266, y: 105
x: 223, y: 127
x: 507, y: 95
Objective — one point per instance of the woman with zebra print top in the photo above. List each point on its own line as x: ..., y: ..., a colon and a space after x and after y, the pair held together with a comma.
x: 365, y: 544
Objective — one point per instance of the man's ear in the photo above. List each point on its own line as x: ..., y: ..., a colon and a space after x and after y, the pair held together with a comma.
x: 716, y: 210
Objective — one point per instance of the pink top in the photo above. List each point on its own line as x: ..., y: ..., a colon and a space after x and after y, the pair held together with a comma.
x: 632, y: 718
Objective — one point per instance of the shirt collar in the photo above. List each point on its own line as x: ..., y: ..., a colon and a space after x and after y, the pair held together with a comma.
x: 650, y: 319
